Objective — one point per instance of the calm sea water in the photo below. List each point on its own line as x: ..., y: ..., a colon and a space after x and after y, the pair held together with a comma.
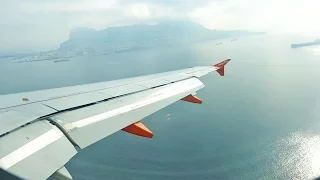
x: 260, y: 121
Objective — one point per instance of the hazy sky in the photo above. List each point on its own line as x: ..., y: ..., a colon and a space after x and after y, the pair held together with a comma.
x: 33, y: 25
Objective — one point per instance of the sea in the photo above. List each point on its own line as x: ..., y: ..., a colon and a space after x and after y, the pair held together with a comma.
x: 260, y: 121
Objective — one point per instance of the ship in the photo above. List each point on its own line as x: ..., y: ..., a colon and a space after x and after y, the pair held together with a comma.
x: 315, y: 42
x: 61, y: 60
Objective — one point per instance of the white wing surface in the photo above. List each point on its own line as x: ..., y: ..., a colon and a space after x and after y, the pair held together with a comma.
x: 40, y: 131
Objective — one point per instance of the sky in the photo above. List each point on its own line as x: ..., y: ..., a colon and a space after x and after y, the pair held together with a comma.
x: 37, y: 25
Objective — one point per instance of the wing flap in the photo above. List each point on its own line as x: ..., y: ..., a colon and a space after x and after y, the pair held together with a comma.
x: 35, y: 151
x: 121, y: 112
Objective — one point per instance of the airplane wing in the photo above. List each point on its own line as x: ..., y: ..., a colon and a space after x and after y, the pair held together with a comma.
x: 41, y: 131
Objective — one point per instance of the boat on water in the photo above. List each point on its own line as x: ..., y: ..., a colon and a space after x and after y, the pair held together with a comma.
x: 315, y: 42
x: 60, y: 60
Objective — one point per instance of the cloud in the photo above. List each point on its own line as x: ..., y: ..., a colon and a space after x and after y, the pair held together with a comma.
x: 139, y: 10
x: 177, y: 5
x: 42, y: 25
x: 293, y: 16
x: 61, y: 6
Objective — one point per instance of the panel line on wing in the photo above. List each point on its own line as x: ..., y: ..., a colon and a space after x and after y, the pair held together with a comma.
x: 50, y: 107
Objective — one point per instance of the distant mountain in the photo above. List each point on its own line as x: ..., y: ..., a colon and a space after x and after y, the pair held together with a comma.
x: 142, y: 36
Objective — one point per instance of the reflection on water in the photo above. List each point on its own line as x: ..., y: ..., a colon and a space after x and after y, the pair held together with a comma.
x: 299, y: 155
x: 314, y: 49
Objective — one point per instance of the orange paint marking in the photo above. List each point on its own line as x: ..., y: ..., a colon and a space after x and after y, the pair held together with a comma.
x: 221, y: 65
x: 138, y: 129
x: 193, y: 99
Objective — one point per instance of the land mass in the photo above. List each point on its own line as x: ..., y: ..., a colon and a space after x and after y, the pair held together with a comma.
x: 111, y: 40
x: 127, y: 38
x: 315, y: 42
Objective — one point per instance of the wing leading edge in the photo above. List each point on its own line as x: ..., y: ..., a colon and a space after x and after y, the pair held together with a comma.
x: 43, y: 130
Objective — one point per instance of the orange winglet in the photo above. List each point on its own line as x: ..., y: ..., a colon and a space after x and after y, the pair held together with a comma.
x: 221, y: 71
x: 221, y: 65
x: 193, y: 99
x: 138, y: 129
